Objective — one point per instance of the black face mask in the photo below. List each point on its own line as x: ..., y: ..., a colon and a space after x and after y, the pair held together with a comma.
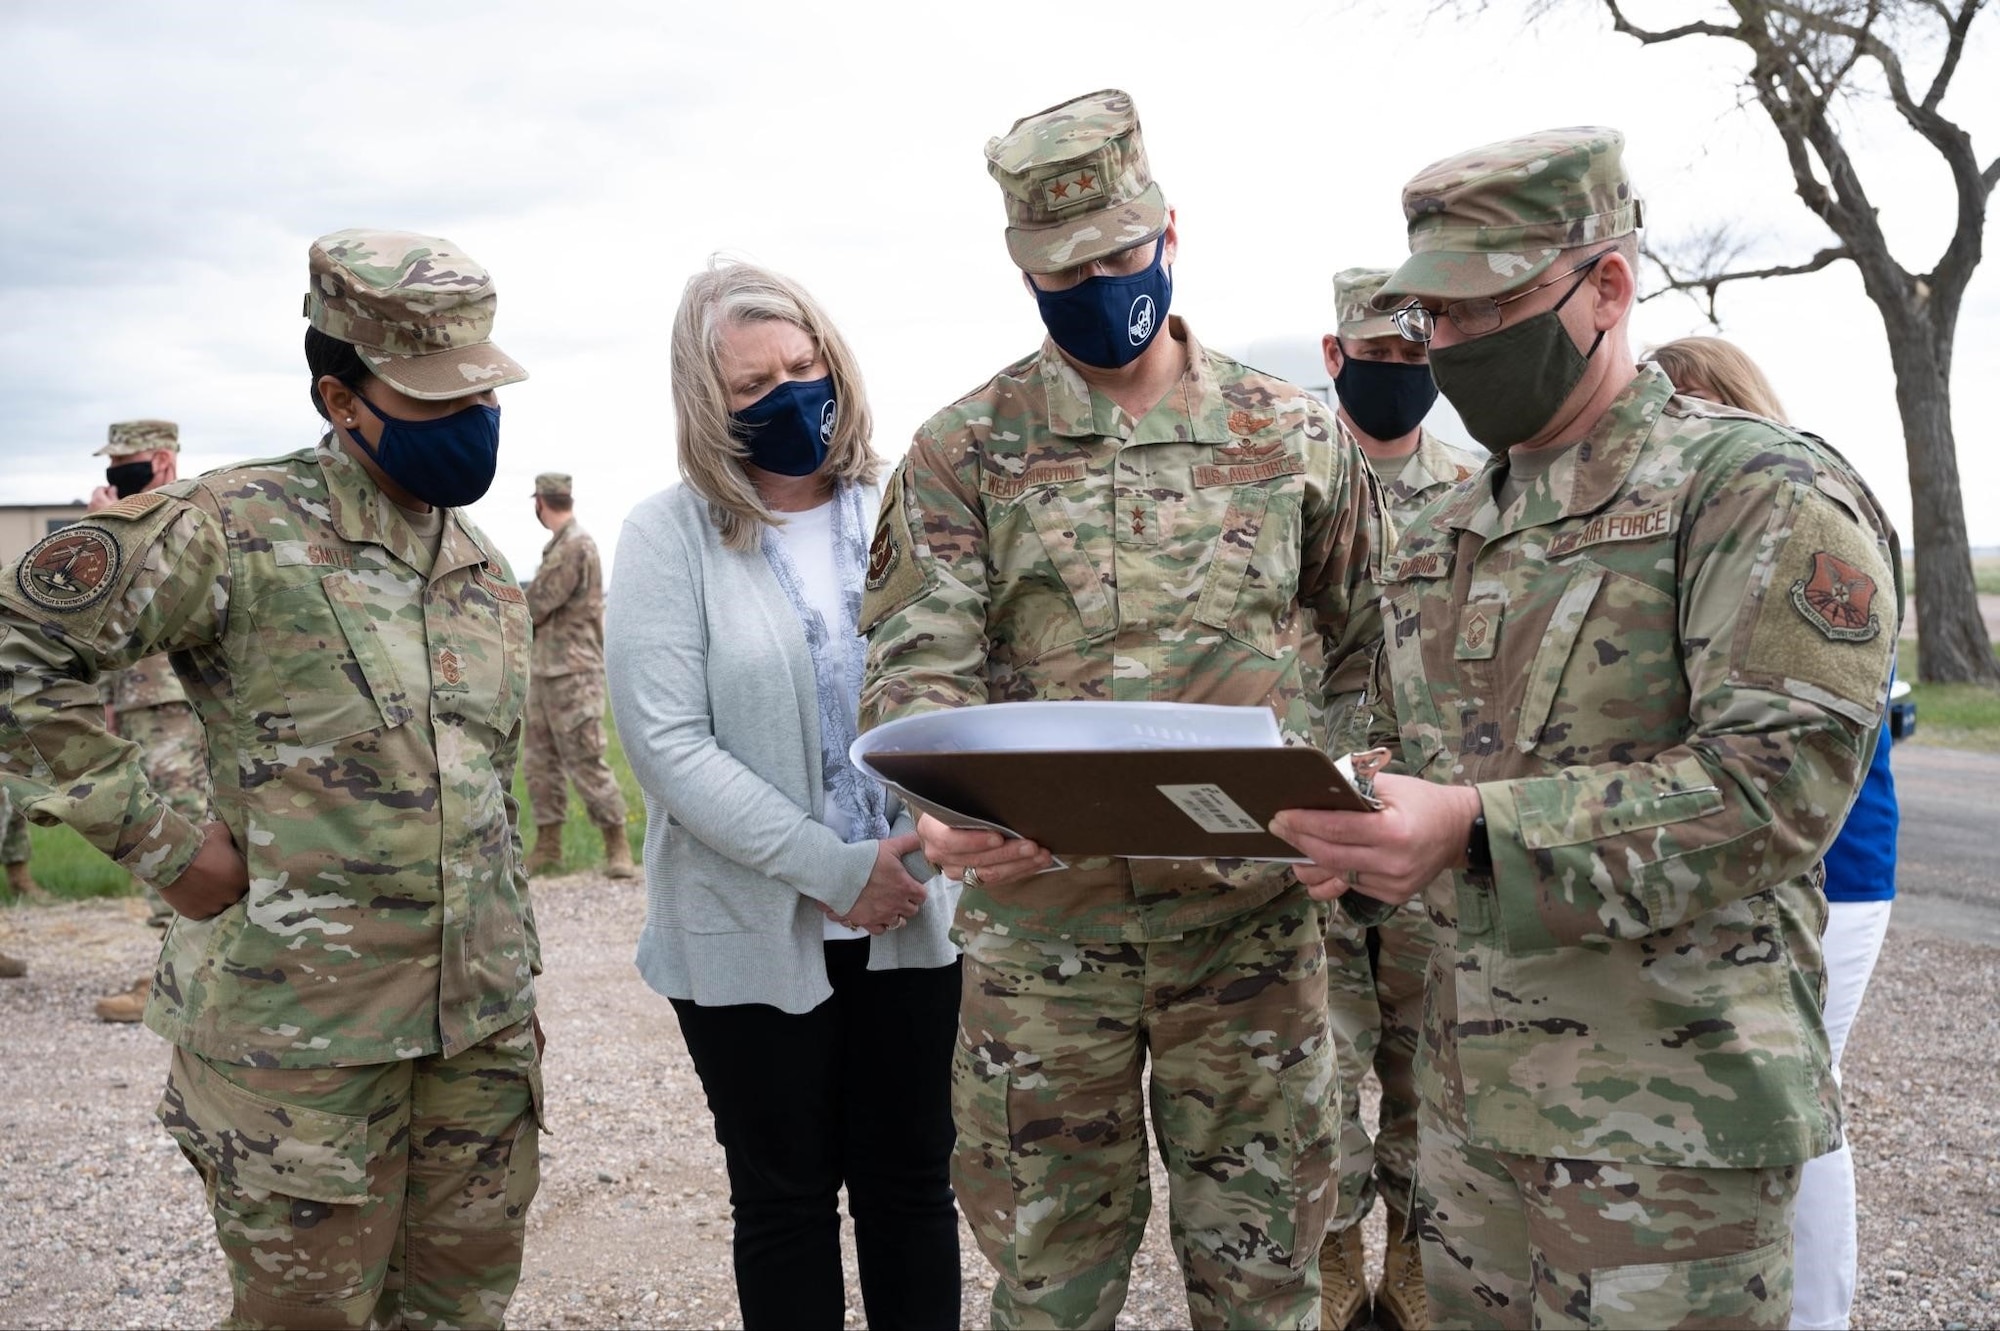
x: 1385, y: 399
x: 129, y: 478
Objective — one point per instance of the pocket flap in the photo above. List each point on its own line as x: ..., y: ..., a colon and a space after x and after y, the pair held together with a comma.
x: 264, y: 1144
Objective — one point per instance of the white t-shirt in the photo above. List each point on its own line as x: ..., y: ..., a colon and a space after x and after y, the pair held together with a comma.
x: 808, y: 538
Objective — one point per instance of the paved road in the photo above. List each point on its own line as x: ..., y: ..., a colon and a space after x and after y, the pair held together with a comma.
x: 1948, y: 856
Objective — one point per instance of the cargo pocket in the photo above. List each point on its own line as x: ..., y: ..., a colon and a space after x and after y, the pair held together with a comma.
x: 982, y: 1164
x: 286, y: 1183
x: 1311, y: 1088
x: 1751, y: 1289
x: 329, y: 661
x: 1252, y: 584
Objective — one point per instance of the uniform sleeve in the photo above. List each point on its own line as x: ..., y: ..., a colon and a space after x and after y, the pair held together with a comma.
x: 1786, y: 624
x: 925, y: 603
x: 1346, y: 537
x: 656, y: 650
x: 149, y: 574
x: 557, y: 580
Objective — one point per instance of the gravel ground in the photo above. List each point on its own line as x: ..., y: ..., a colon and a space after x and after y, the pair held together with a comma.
x: 102, y: 1223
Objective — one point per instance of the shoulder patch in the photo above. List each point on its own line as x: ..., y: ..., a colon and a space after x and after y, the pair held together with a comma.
x: 1838, y: 599
x: 71, y: 569
x: 894, y: 579
x: 1819, y: 623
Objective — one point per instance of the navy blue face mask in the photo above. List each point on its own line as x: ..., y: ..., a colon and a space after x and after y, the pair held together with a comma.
x: 1385, y: 399
x: 448, y: 462
x: 1105, y: 321
x: 790, y: 428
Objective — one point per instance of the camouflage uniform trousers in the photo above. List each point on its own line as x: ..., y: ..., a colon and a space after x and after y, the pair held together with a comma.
x: 1516, y: 1241
x: 566, y: 743
x: 175, y: 755
x: 391, y: 1193
x: 1050, y: 1165
x: 13, y: 831
x: 1375, y: 1003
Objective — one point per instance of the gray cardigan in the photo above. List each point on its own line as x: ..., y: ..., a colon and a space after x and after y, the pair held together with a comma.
x: 712, y: 687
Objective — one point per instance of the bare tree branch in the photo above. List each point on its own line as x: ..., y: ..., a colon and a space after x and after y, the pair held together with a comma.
x: 1707, y: 280
x: 1648, y: 37
x: 1956, y: 27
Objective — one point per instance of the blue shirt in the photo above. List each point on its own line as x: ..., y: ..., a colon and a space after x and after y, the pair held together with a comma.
x: 1861, y: 862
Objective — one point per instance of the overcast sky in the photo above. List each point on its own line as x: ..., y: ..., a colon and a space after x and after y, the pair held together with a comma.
x: 166, y: 166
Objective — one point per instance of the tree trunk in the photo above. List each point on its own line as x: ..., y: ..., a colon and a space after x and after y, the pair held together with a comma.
x: 1951, y: 635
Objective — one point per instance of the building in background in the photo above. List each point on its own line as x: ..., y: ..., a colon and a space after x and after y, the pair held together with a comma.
x: 21, y: 525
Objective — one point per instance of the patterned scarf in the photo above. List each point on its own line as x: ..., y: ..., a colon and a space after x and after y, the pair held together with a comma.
x: 838, y: 656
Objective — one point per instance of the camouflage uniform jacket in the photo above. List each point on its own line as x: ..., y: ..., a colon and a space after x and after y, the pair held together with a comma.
x: 567, y: 601
x: 1038, y: 543
x: 362, y: 721
x: 1431, y: 468
x: 1660, y: 666
x: 150, y: 682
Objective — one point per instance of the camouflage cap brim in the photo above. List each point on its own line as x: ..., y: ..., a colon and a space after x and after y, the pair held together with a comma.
x: 1461, y: 275
x: 1078, y: 240
x: 441, y: 375
x: 1361, y: 330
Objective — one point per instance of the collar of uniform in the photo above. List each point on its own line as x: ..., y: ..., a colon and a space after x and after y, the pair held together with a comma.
x: 1427, y: 467
x: 460, y: 548
x: 360, y: 513
x: 1589, y: 473
x: 557, y: 537
x: 1076, y: 412
x: 1586, y: 475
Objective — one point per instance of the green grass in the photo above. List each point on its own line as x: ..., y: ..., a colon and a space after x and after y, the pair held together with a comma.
x: 1951, y: 716
x: 1986, y: 574
x: 72, y: 869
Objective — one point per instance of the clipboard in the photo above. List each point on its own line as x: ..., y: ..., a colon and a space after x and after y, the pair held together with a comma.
x: 1201, y: 787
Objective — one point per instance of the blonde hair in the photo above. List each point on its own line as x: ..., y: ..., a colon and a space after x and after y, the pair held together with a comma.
x: 711, y: 459
x: 1722, y: 368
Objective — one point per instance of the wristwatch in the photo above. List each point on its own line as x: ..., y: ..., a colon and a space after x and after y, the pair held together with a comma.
x: 1479, y: 850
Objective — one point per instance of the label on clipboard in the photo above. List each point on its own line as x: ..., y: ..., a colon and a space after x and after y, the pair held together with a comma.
x: 1211, y: 809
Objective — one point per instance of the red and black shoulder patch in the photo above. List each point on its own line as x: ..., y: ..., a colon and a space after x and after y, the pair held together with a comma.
x: 1838, y: 599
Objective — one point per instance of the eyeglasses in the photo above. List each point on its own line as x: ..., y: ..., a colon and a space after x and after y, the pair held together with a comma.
x: 1480, y: 315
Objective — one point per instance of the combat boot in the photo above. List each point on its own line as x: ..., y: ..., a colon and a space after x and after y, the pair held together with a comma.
x: 12, y: 968
x: 127, y: 1006
x: 1343, y: 1281
x: 547, y: 855
x: 617, y: 852
x: 1400, y: 1303
x: 23, y: 885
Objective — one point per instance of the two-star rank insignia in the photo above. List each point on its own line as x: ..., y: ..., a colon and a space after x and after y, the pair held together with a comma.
x: 1072, y: 187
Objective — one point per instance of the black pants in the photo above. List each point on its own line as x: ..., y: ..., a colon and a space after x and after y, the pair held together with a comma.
x: 857, y: 1091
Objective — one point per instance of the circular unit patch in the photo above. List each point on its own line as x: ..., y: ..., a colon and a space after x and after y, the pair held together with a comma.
x: 70, y: 570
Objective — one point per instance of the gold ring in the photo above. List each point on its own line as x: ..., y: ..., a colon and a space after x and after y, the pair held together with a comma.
x: 1354, y: 878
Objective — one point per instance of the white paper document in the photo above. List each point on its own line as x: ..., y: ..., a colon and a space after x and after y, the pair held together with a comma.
x: 1024, y: 727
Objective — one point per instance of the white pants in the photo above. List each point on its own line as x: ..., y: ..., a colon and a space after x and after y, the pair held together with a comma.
x: 1823, y: 1242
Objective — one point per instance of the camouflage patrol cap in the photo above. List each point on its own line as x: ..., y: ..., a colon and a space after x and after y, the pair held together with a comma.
x: 1490, y: 220
x: 417, y: 308
x: 1076, y: 183
x: 1352, y: 288
x: 552, y: 484
x: 129, y: 437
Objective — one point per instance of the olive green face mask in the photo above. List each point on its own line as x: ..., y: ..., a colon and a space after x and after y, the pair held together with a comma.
x: 1507, y: 385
